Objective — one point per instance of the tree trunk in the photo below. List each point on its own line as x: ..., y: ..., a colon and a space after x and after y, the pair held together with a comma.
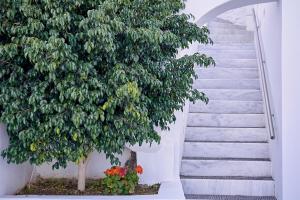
x: 82, y: 174
x: 131, y: 162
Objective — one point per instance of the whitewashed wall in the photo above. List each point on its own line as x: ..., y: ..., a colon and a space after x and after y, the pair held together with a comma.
x: 269, y: 16
x: 164, y: 164
x: 290, y: 99
x: 12, y: 177
x: 95, y: 169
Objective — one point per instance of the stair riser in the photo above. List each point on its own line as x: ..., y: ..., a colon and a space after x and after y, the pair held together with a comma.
x: 228, y: 187
x: 239, y: 52
x: 226, y: 73
x: 232, y: 47
x: 251, y: 54
x: 236, y: 63
x: 225, y: 168
x: 226, y: 120
x: 232, y: 38
x: 227, y: 197
x: 220, y: 56
x: 228, y: 107
x: 213, y: 25
x: 226, y: 134
x: 226, y: 84
x: 226, y: 150
x: 222, y: 31
x: 233, y: 95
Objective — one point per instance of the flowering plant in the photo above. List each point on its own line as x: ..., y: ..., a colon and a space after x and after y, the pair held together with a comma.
x: 121, y: 180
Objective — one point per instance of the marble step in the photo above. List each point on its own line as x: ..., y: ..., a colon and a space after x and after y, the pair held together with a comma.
x: 228, y: 107
x: 219, y: 56
x: 247, y: 186
x: 227, y: 84
x: 238, y: 38
x: 233, y: 94
x: 239, y: 51
x: 235, y: 63
x: 227, y: 197
x: 205, y: 167
x: 227, y: 73
x: 232, y: 46
x: 226, y: 150
x: 226, y: 134
x: 230, y: 54
x: 233, y: 31
x: 227, y: 25
x: 226, y: 120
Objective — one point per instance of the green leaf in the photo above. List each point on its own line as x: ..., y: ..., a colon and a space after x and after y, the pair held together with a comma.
x: 33, y: 147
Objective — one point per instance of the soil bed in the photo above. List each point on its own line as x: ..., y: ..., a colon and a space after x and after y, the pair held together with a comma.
x: 69, y: 187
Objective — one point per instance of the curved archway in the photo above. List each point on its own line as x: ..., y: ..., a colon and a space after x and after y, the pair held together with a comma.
x: 218, y: 7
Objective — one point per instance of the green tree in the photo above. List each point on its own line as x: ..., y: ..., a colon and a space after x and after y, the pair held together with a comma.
x: 84, y: 75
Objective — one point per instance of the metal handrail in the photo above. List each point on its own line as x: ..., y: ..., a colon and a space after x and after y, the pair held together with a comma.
x: 262, y: 69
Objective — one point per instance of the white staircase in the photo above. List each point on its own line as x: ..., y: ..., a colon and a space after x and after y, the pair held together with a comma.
x: 226, y: 151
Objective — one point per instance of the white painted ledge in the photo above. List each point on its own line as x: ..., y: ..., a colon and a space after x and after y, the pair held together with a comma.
x: 168, y: 191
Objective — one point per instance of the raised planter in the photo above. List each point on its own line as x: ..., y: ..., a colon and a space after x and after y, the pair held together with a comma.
x: 168, y: 190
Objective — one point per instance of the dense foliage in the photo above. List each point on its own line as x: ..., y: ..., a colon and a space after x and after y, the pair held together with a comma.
x: 84, y: 75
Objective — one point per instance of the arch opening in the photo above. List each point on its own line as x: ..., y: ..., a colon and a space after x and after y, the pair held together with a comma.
x: 226, y: 6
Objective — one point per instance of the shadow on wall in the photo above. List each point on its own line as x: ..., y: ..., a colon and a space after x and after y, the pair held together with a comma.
x: 13, y: 177
x: 95, y: 168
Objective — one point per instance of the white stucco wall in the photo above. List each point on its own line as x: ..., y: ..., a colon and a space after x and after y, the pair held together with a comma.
x: 290, y: 99
x: 164, y: 164
x: 269, y: 16
x: 95, y: 169
x: 12, y: 177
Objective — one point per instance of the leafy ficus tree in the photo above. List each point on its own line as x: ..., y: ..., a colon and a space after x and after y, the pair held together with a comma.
x: 85, y: 75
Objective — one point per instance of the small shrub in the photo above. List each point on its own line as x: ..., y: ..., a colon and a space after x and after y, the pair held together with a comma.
x: 121, y: 180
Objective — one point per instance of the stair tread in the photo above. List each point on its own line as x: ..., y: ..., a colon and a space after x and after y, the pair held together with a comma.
x: 226, y: 134
x: 226, y: 159
x: 264, y: 178
x: 227, y: 197
x: 227, y: 107
x: 227, y: 83
x: 245, y: 127
x: 226, y: 120
x: 244, y: 187
x: 222, y: 141
x: 225, y: 150
x: 231, y: 90
x: 233, y: 68
x: 233, y: 94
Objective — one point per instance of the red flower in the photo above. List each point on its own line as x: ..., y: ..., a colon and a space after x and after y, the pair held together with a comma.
x: 123, y: 172
x: 139, y: 169
x: 116, y: 171
x: 108, y: 172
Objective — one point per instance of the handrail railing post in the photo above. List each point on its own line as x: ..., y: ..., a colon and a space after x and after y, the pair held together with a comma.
x: 262, y: 69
